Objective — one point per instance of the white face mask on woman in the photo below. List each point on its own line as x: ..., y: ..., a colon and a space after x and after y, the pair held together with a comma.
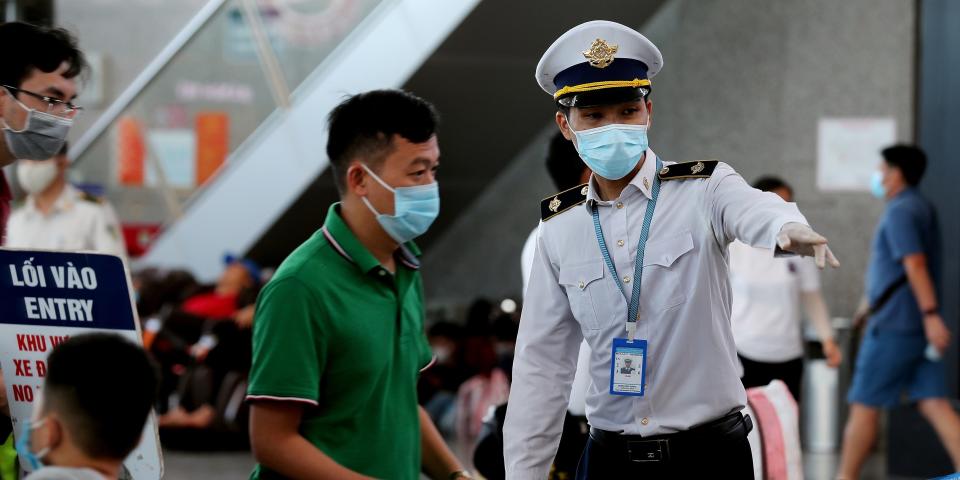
x: 36, y: 176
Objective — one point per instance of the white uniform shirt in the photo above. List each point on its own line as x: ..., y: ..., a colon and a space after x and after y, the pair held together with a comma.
x: 685, y: 311
x: 75, y: 223
x: 766, y: 302
x: 581, y: 380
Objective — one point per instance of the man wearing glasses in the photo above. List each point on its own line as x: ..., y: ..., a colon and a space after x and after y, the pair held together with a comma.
x: 37, y: 89
x: 38, y: 73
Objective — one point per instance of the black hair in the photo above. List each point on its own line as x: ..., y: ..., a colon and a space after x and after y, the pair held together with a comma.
x: 446, y: 329
x: 770, y: 183
x: 32, y: 47
x: 564, y: 163
x: 505, y: 328
x: 363, y: 125
x: 909, y: 159
x: 103, y: 387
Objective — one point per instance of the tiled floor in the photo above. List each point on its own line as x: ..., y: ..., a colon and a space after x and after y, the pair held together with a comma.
x: 207, y: 465
x: 237, y: 465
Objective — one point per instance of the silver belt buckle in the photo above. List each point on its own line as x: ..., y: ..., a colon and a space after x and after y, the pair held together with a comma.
x: 648, y: 451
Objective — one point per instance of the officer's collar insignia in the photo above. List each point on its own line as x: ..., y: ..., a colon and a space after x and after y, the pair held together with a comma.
x: 601, y: 53
x: 561, y: 202
x: 646, y: 183
x: 554, y: 205
x: 697, y: 169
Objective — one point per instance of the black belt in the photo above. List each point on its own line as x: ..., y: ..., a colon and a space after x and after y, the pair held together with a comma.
x: 657, y: 448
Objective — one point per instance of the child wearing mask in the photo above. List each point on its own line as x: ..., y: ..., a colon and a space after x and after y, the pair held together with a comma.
x: 83, y: 425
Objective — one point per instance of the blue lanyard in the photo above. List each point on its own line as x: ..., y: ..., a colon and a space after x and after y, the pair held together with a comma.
x: 634, y: 306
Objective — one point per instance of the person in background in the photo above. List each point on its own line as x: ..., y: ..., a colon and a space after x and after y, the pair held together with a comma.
x: 905, y: 334
x: 84, y: 426
x: 338, y: 340
x: 766, y: 317
x: 37, y: 88
x: 437, y: 386
x: 58, y: 216
x: 213, y: 328
x: 239, y: 274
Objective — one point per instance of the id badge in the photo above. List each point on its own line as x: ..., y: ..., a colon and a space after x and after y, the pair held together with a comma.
x: 628, y: 367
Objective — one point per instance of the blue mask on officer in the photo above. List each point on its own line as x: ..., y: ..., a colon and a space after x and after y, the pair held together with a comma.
x: 612, y: 151
x: 23, y: 445
x: 876, y: 185
x: 415, y: 209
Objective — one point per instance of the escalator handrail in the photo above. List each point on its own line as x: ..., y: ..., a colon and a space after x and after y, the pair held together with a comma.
x: 113, y: 112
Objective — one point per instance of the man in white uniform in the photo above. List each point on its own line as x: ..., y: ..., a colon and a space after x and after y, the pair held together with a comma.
x: 640, y: 220
x: 767, y: 295
x: 58, y: 216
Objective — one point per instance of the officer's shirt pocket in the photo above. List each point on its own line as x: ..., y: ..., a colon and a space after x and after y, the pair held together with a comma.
x: 586, y: 291
x: 663, y: 262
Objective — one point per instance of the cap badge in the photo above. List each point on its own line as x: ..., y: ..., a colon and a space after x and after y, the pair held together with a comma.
x: 697, y: 168
x: 554, y: 205
x: 601, y: 53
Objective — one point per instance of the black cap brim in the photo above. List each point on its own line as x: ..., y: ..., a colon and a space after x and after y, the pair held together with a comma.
x: 606, y: 96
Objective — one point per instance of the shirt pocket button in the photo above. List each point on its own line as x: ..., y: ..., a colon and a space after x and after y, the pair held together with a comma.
x: 580, y: 282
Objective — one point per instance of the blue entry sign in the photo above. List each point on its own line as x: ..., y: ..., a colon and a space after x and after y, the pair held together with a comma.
x: 47, y: 297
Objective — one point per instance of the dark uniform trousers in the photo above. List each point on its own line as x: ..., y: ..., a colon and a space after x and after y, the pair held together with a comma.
x: 718, y: 449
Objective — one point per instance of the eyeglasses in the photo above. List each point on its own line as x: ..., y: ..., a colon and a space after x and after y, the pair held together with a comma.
x: 55, y: 106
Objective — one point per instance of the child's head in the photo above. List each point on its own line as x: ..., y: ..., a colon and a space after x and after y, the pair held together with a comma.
x: 98, y: 391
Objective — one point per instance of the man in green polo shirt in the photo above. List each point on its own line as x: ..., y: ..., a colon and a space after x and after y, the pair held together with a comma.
x: 338, y: 340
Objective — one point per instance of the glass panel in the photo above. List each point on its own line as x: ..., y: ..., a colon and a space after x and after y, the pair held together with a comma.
x: 177, y: 133
x: 304, y: 32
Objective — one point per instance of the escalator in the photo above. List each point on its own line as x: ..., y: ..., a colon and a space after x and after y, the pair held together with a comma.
x: 225, y: 129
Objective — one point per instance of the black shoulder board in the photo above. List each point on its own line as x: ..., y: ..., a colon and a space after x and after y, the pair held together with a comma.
x: 695, y: 169
x: 85, y: 196
x: 563, y: 201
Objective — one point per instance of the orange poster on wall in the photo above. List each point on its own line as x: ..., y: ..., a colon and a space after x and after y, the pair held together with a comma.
x: 213, y: 143
x: 130, y: 152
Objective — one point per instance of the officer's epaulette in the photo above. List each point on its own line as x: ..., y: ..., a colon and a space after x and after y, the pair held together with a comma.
x: 563, y: 201
x: 88, y: 197
x: 695, y: 169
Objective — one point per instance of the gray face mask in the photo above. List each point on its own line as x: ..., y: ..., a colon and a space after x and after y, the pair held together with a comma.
x: 42, y: 135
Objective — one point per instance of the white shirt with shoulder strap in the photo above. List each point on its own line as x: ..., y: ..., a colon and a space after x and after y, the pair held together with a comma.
x: 684, y: 309
x: 77, y: 222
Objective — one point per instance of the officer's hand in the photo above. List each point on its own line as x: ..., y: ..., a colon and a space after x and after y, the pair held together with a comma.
x: 802, y: 240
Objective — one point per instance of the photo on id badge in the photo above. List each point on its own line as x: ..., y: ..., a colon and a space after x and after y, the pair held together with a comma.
x: 628, y: 367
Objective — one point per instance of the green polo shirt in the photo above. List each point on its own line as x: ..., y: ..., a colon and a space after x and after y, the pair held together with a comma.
x: 339, y: 333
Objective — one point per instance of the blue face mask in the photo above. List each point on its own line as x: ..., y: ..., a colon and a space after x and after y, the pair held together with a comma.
x: 23, y: 445
x: 876, y: 185
x: 612, y: 151
x: 415, y: 209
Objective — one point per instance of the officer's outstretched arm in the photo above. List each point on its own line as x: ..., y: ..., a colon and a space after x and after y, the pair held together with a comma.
x: 760, y: 219
x: 543, y: 369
